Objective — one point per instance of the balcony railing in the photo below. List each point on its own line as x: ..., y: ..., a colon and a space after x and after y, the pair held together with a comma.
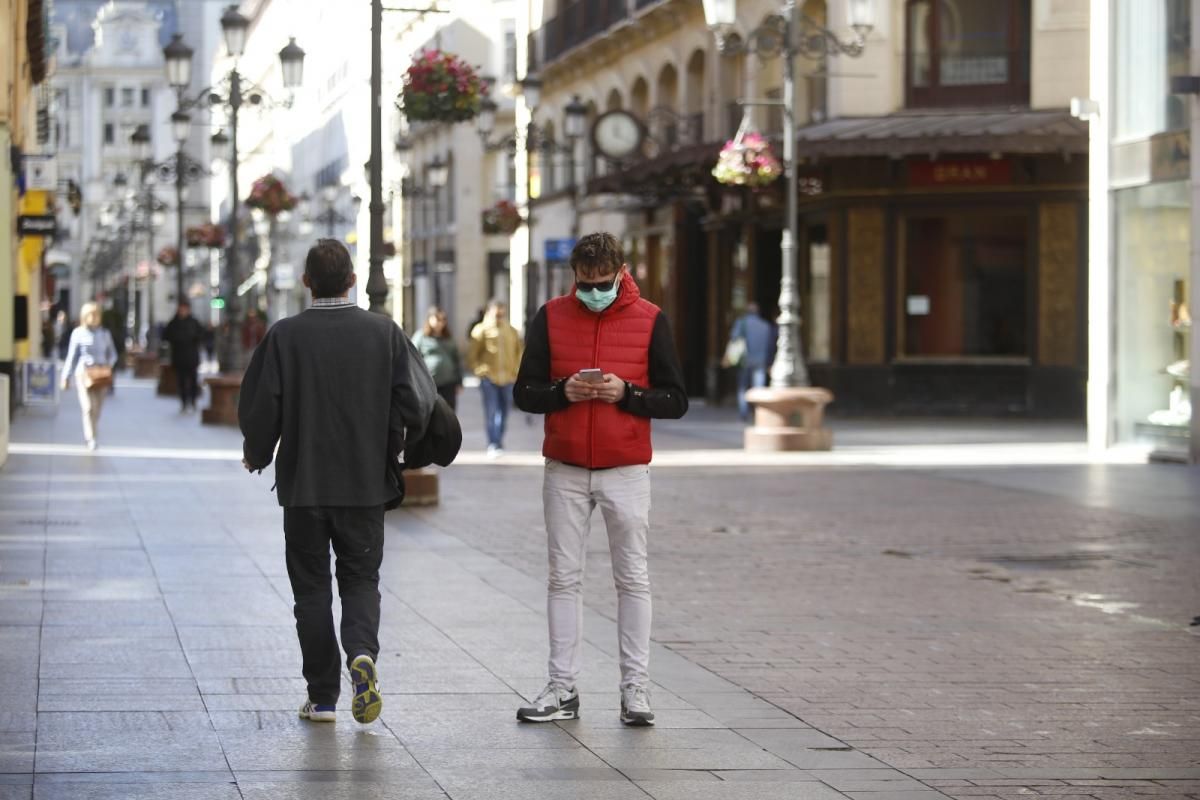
x: 579, y: 21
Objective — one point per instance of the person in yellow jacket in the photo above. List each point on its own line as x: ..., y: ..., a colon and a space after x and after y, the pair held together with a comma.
x: 494, y: 356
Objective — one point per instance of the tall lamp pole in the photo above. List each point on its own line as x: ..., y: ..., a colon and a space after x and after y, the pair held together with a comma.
x: 234, y: 28
x: 789, y: 34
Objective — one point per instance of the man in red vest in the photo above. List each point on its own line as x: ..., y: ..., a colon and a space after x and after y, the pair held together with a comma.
x: 600, y: 363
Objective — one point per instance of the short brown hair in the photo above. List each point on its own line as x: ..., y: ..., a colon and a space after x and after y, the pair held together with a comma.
x: 597, y: 253
x: 328, y: 268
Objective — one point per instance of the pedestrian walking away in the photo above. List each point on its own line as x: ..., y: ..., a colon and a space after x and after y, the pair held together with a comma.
x: 341, y: 391
x: 494, y: 355
x: 437, y: 348
x: 600, y: 364
x: 185, y: 334
x: 750, y: 348
x: 91, y: 355
x: 254, y: 329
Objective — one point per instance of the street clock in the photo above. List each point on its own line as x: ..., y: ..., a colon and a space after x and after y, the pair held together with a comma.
x: 618, y: 135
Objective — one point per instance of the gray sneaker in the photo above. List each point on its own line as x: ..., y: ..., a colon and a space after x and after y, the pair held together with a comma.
x: 556, y: 702
x: 635, y: 706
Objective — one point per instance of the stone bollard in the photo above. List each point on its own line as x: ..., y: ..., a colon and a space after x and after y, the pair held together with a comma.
x: 223, y: 391
x: 167, y: 385
x: 145, y: 365
x: 775, y: 410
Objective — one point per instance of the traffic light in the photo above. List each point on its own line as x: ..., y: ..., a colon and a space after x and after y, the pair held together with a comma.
x: 217, y: 303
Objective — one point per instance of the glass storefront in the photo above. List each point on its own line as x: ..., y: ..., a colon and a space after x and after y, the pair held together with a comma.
x: 1151, y: 252
x: 1151, y: 212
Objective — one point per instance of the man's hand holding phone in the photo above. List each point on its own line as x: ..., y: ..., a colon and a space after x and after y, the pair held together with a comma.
x: 594, y: 384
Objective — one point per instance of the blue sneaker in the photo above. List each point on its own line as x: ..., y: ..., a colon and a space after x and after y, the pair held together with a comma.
x: 367, y: 700
x: 318, y: 713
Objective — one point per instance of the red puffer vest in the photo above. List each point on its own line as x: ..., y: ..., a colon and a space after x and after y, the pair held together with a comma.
x: 595, y: 434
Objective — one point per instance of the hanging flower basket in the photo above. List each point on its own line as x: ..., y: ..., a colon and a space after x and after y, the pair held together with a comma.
x: 168, y: 256
x: 270, y: 195
x: 441, y: 87
x: 206, y: 235
x: 747, y: 159
x: 501, y: 218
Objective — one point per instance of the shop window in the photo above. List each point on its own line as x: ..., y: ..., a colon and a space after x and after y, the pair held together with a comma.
x: 1153, y: 240
x: 965, y: 285
x: 967, y: 52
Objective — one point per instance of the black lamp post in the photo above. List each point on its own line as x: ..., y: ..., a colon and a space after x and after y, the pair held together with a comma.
x: 234, y: 28
x: 141, y: 143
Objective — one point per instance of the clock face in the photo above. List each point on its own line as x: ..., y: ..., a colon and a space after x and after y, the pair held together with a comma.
x: 617, y: 134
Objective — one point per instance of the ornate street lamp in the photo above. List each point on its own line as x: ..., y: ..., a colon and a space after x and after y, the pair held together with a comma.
x: 181, y: 126
x: 234, y: 92
x: 234, y: 26
x: 291, y: 59
x: 575, y: 116
x: 438, y: 172
x: 788, y: 34
x: 179, y: 62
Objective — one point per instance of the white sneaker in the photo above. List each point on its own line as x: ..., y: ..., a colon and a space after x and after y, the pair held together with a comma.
x: 635, y: 706
x: 494, y: 452
x: 91, y: 444
x: 315, y: 713
x: 554, y: 703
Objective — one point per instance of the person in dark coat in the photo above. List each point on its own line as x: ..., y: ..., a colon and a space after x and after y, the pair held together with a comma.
x: 185, y: 334
x: 341, y: 391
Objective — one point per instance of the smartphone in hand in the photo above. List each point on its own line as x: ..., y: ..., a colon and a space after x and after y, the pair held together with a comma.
x: 591, y: 375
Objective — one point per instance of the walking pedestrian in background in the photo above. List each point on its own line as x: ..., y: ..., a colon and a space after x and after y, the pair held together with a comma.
x: 90, y: 357
x: 62, y: 333
x: 751, y: 346
x: 254, y: 329
x: 185, y: 334
x: 341, y: 391
x: 600, y: 364
x: 494, y: 355
x: 440, y: 353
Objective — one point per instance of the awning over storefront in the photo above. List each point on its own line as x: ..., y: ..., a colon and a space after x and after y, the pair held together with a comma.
x: 674, y: 172
x: 929, y: 133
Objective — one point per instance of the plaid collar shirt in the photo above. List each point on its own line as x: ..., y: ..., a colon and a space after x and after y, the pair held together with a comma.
x: 331, y: 302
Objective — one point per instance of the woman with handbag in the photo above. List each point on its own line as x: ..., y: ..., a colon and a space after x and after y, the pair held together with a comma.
x: 91, y: 355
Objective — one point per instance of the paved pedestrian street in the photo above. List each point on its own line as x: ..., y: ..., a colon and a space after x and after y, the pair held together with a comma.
x: 964, y: 610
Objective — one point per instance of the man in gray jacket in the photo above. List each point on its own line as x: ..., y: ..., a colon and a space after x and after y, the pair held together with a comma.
x: 340, y: 390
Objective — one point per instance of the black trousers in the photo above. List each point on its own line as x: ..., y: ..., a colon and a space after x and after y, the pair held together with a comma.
x: 188, y: 382
x: 357, y: 538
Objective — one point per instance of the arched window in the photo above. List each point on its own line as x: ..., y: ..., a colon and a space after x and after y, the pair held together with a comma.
x: 639, y: 98
x: 667, y: 97
x: 693, y: 97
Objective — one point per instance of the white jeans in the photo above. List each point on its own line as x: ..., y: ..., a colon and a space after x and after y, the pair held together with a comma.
x: 569, y: 495
x: 90, y: 401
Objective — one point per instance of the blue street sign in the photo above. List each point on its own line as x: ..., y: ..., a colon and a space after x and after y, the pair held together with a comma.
x: 559, y: 249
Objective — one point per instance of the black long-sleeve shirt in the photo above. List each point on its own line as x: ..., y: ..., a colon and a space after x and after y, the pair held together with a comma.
x: 665, y: 398
x: 341, y: 390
